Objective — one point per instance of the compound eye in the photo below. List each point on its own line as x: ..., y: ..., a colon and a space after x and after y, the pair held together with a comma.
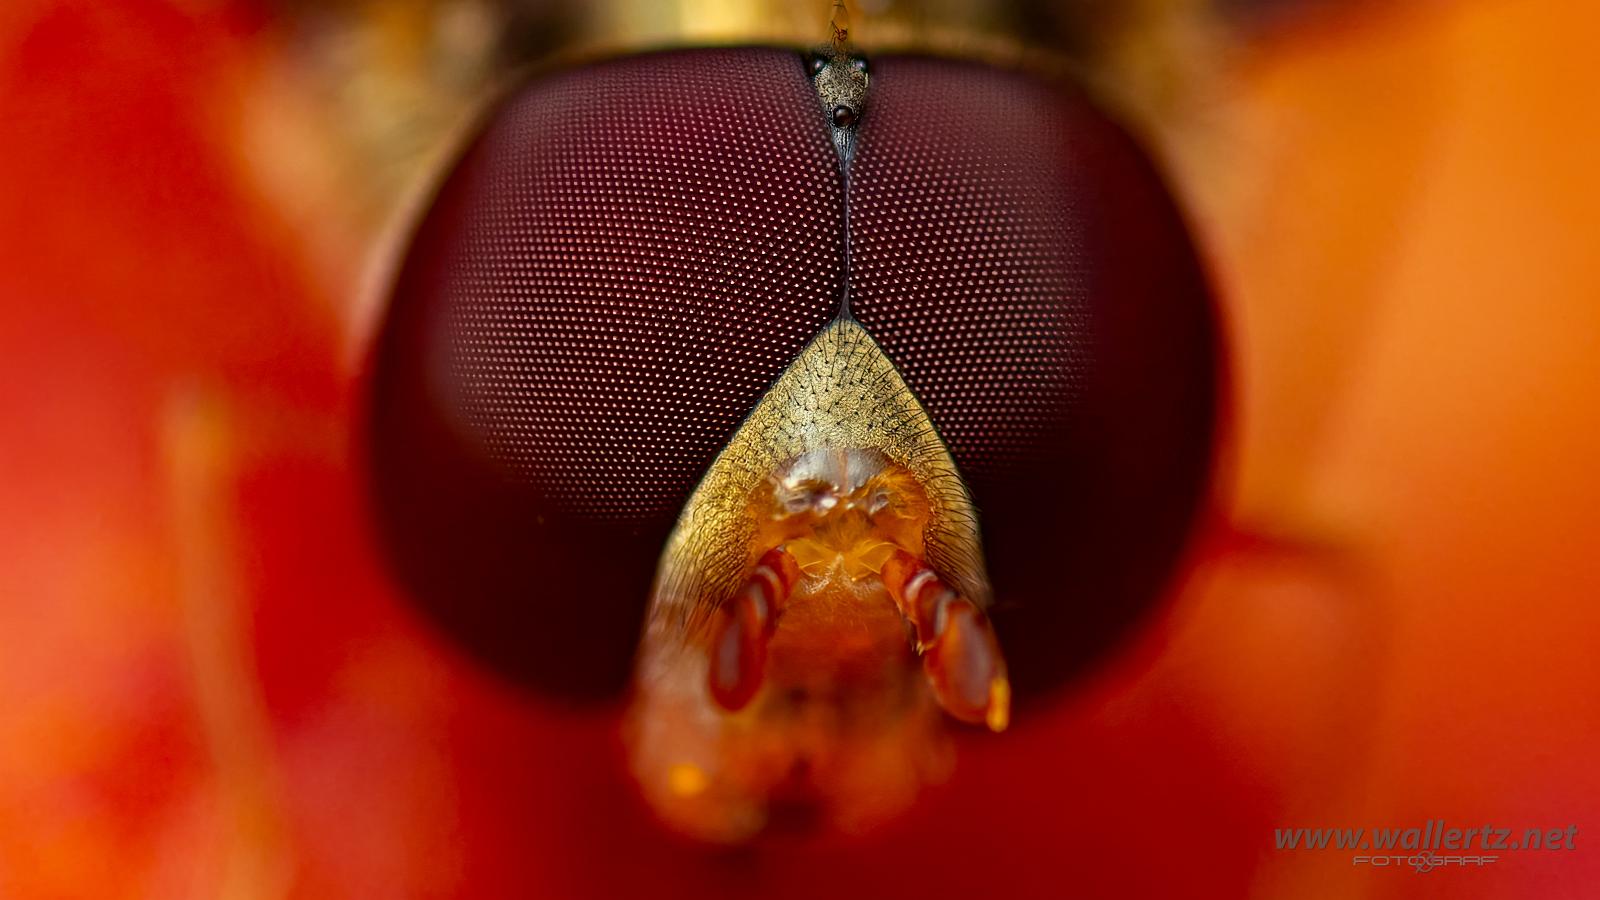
x: 600, y: 292
x: 618, y: 268
x: 1018, y: 258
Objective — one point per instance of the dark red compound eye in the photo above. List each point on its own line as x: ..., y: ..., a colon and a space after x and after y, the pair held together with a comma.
x: 1024, y: 267
x: 633, y: 251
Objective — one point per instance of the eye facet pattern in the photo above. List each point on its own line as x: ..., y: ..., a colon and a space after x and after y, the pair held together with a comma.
x: 613, y: 273
x: 633, y: 251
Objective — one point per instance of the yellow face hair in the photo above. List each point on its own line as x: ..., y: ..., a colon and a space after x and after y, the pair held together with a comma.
x: 841, y: 393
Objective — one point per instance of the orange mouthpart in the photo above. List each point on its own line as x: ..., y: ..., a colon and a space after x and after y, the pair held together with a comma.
x: 961, y: 657
x: 809, y: 689
x: 744, y: 627
x: 960, y: 653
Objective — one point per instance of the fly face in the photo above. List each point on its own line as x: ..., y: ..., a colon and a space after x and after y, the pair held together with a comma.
x: 917, y: 397
x: 807, y: 571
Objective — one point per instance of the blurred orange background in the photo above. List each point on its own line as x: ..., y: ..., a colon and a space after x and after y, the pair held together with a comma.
x: 209, y: 687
